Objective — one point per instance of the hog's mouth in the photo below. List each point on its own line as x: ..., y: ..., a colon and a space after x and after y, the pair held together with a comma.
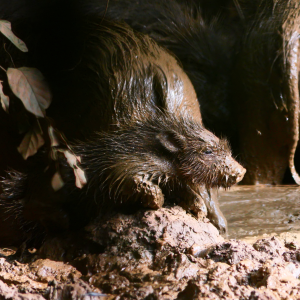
x: 232, y: 174
x: 228, y: 181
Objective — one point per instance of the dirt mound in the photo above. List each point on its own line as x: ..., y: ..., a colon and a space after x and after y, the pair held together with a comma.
x: 163, y: 254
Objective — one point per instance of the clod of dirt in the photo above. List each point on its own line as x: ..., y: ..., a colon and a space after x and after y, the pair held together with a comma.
x: 41, y: 279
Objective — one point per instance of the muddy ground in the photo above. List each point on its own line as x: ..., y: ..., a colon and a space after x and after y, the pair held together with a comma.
x: 163, y: 254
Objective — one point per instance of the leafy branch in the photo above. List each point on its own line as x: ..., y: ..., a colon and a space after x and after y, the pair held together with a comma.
x: 30, y: 86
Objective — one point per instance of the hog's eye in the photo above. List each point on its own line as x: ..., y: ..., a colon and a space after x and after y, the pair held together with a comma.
x: 208, y: 151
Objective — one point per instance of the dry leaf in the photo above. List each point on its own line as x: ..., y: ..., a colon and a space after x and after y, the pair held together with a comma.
x: 52, y: 136
x: 31, y: 142
x: 80, y: 178
x: 71, y: 158
x: 4, y: 99
x: 57, y: 183
x: 30, y: 86
x: 5, y: 28
x: 79, y: 173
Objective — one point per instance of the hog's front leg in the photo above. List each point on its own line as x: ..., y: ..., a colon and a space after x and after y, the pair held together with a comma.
x: 149, y: 194
x: 203, y: 202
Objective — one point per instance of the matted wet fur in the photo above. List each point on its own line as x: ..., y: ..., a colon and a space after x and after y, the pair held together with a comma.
x: 205, y: 45
x: 162, y: 150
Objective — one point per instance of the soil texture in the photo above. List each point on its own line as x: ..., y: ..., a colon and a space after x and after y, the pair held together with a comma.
x: 154, y: 254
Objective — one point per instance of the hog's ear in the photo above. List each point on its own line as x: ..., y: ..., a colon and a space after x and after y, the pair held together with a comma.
x: 171, y: 141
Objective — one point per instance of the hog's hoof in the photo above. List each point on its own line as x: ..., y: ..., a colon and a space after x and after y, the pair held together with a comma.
x: 149, y: 193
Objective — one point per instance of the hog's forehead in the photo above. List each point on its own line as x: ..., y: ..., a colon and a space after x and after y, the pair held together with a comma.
x: 209, y: 138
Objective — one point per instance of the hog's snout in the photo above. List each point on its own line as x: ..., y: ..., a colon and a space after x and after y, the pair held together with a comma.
x: 233, y: 172
x: 240, y: 173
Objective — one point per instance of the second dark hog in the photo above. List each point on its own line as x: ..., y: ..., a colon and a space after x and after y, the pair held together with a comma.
x: 265, y: 90
x: 105, y: 77
x: 204, y: 37
x: 243, y: 64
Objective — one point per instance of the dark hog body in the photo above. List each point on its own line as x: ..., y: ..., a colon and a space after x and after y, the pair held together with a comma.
x: 159, y: 160
x: 265, y: 90
x: 211, y: 9
x: 202, y: 35
x: 107, y: 78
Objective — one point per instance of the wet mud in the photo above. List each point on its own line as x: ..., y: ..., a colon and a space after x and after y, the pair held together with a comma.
x: 257, y: 210
x: 153, y: 254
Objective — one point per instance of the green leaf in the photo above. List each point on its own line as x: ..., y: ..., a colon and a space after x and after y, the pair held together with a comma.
x: 5, y: 28
x: 30, y: 86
